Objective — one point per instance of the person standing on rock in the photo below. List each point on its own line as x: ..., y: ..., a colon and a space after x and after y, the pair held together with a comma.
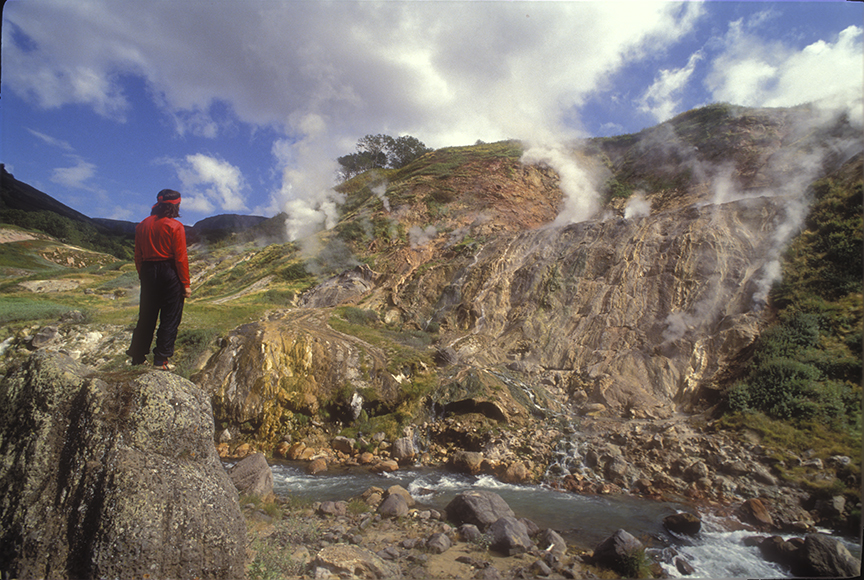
x: 163, y: 269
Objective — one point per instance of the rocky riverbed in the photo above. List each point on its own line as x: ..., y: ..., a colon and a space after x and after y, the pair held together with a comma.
x: 382, y: 533
x: 684, y: 460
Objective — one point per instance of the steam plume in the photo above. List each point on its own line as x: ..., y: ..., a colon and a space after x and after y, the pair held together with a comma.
x: 581, y: 197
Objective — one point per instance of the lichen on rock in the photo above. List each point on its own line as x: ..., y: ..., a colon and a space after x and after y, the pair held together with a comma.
x: 112, y: 476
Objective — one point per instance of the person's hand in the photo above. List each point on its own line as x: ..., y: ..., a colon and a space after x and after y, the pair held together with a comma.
x: 187, y: 293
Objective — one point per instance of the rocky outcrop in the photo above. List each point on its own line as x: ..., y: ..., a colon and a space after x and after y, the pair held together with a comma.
x: 112, y: 476
x: 639, y: 315
x: 292, y: 363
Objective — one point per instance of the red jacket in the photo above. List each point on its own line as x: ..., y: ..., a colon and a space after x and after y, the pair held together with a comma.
x: 159, y: 239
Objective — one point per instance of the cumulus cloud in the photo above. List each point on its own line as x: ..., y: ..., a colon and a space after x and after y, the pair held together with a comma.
x: 662, y: 100
x: 77, y: 176
x: 752, y: 72
x: 210, y: 183
x: 449, y: 73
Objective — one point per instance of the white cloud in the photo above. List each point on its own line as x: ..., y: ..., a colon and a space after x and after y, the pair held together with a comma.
x: 53, y: 141
x: 77, y: 176
x: 448, y: 73
x: 752, y: 72
x: 662, y: 99
x: 209, y: 183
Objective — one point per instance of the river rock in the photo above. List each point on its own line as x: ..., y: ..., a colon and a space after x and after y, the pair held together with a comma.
x: 469, y: 533
x: 683, y: 523
x: 316, y: 466
x: 753, y: 511
x: 252, y: 476
x: 393, y: 506
x: 385, y: 466
x: 616, y: 470
x: 346, y: 561
x: 696, y: 471
x: 684, y: 567
x: 438, y: 543
x: 479, y: 507
x: 403, y: 450
x: 343, y: 445
x: 516, y: 472
x: 824, y: 556
x: 552, y: 542
x: 114, y: 479
x: 470, y: 462
x: 401, y: 491
x: 615, y: 551
x: 509, y: 536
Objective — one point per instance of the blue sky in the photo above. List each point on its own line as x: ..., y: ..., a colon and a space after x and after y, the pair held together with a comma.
x: 244, y: 106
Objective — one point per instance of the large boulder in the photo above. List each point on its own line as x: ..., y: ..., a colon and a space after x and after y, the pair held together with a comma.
x: 470, y: 462
x: 754, y: 512
x: 683, y: 523
x: 252, y: 476
x: 509, y: 537
x: 620, y: 552
x: 824, y: 556
x: 112, y: 477
x: 479, y: 507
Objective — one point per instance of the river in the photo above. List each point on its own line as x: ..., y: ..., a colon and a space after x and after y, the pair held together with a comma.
x: 582, y: 520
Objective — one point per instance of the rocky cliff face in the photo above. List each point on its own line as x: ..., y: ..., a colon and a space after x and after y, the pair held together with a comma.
x: 112, y: 476
x: 642, y: 311
x: 640, y: 314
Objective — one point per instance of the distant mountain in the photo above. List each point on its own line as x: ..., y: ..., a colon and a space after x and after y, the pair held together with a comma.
x: 16, y: 194
x: 231, y: 222
x: 117, y: 226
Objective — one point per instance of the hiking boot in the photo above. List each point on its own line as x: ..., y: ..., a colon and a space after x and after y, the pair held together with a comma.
x: 163, y: 365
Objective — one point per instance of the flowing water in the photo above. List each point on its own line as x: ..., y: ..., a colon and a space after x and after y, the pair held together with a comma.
x: 582, y: 520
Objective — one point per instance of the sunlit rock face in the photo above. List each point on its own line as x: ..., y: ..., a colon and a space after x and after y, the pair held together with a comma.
x: 636, y: 313
x: 291, y: 363
x: 644, y: 308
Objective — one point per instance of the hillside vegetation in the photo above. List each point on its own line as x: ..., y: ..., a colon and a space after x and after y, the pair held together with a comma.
x: 424, y: 229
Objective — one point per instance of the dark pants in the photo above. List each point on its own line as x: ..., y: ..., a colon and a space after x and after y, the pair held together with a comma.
x: 162, y: 297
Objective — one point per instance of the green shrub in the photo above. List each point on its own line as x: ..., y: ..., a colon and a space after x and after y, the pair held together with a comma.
x: 360, y: 316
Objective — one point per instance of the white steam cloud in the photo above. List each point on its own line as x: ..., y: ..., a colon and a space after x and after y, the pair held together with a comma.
x: 307, y: 195
x: 419, y: 237
x: 581, y: 198
x: 380, y: 191
x: 637, y: 206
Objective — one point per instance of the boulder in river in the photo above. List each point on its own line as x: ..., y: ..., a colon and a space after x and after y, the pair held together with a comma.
x: 683, y: 523
x: 112, y: 477
x: 479, y: 507
x: 621, y: 552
